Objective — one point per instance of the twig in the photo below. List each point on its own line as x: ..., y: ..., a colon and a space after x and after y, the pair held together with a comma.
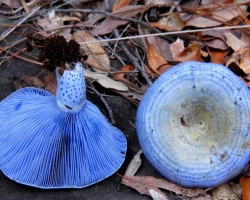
x: 20, y: 57
x: 167, y: 33
x: 133, y: 59
x: 110, y: 113
x: 155, y: 30
x: 6, y: 33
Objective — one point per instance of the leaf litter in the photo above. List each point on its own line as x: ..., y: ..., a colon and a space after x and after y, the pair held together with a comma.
x: 141, y: 58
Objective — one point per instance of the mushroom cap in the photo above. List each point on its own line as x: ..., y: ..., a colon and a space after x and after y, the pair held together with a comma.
x: 43, y: 146
x: 193, y: 124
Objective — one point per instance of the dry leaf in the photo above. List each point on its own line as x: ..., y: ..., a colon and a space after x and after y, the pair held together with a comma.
x: 141, y: 183
x: 95, y: 16
x: 28, y: 81
x: 224, y: 192
x: 105, y: 81
x: 134, y: 164
x: 217, y: 56
x: 201, y: 22
x: 124, y: 69
x: 157, y: 194
x: 245, y: 184
x: 120, y: 3
x: 177, y: 47
x: 159, y: 2
x: 12, y: 3
x: 192, y: 52
x: 109, y: 24
x: 97, y: 57
x: 156, y: 62
x: 219, y: 16
x: 49, y: 81
x: 239, y: 61
x: 162, y: 46
x: 233, y: 42
x: 171, y: 23
x: 217, y: 44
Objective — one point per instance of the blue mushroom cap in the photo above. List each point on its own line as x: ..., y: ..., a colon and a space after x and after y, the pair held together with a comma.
x: 45, y: 144
x: 193, y: 124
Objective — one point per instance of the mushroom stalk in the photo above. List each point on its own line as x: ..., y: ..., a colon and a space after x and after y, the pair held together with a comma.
x: 61, y: 141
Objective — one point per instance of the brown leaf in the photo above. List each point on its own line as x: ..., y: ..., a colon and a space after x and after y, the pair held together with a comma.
x: 97, y: 57
x: 192, y: 52
x: 177, y: 47
x: 239, y: 61
x: 156, y: 62
x: 120, y: 3
x: 217, y: 56
x: 49, y: 81
x: 28, y: 81
x: 235, y: 43
x: 245, y: 184
x: 134, y: 164
x: 162, y: 46
x: 159, y: 2
x: 141, y: 183
x: 122, y: 74
x: 157, y: 194
x: 224, y: 192
x: 216, y: 44
x: 109, y: 24
x: 12, y: 3
x: 105, y: 81
x: 171, y: 23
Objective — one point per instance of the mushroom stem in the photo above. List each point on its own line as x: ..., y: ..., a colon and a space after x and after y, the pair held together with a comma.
x: 71, y: 88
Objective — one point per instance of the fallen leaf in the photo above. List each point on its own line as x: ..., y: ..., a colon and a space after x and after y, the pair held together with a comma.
x: 95, y: 16
x: 239, y: 61
x: 49, y: 81
x: 217, y: 56
x: 177, y: 47
x: 157, y: 194
x: 134, y: 164
x: 134, y: 95
x: 12, y: 3
x: 224, y: 192
x: 28, y: 81
x: 219, y: 15
x: 233, y: 42
x: 105, y: 81
x: 141, y: 183
x: 156, y: 62
x: 162, y: 46
x: 120, y: 3
x: 201, y: 22
x: 245, y: 184
x: 159, y: 2
x: 192, y: 52
x: 97, y: 57
x: 171, y: 23
x: 123, y: 70
x: 109, y: 24
x: 217, y: 44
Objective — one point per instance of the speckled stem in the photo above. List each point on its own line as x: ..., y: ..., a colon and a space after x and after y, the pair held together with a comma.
x: 71, y: 89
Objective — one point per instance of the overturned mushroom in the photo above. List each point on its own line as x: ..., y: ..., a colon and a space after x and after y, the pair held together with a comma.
x: 193, y: 124
x: 58, y: 142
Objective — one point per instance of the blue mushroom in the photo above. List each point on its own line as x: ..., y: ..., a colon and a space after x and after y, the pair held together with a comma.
x: 193, y: 124
x: 60, y: 141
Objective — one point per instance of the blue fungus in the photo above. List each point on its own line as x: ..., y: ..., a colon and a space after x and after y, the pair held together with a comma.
x: 51, y: 141
x: 196, y: 136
